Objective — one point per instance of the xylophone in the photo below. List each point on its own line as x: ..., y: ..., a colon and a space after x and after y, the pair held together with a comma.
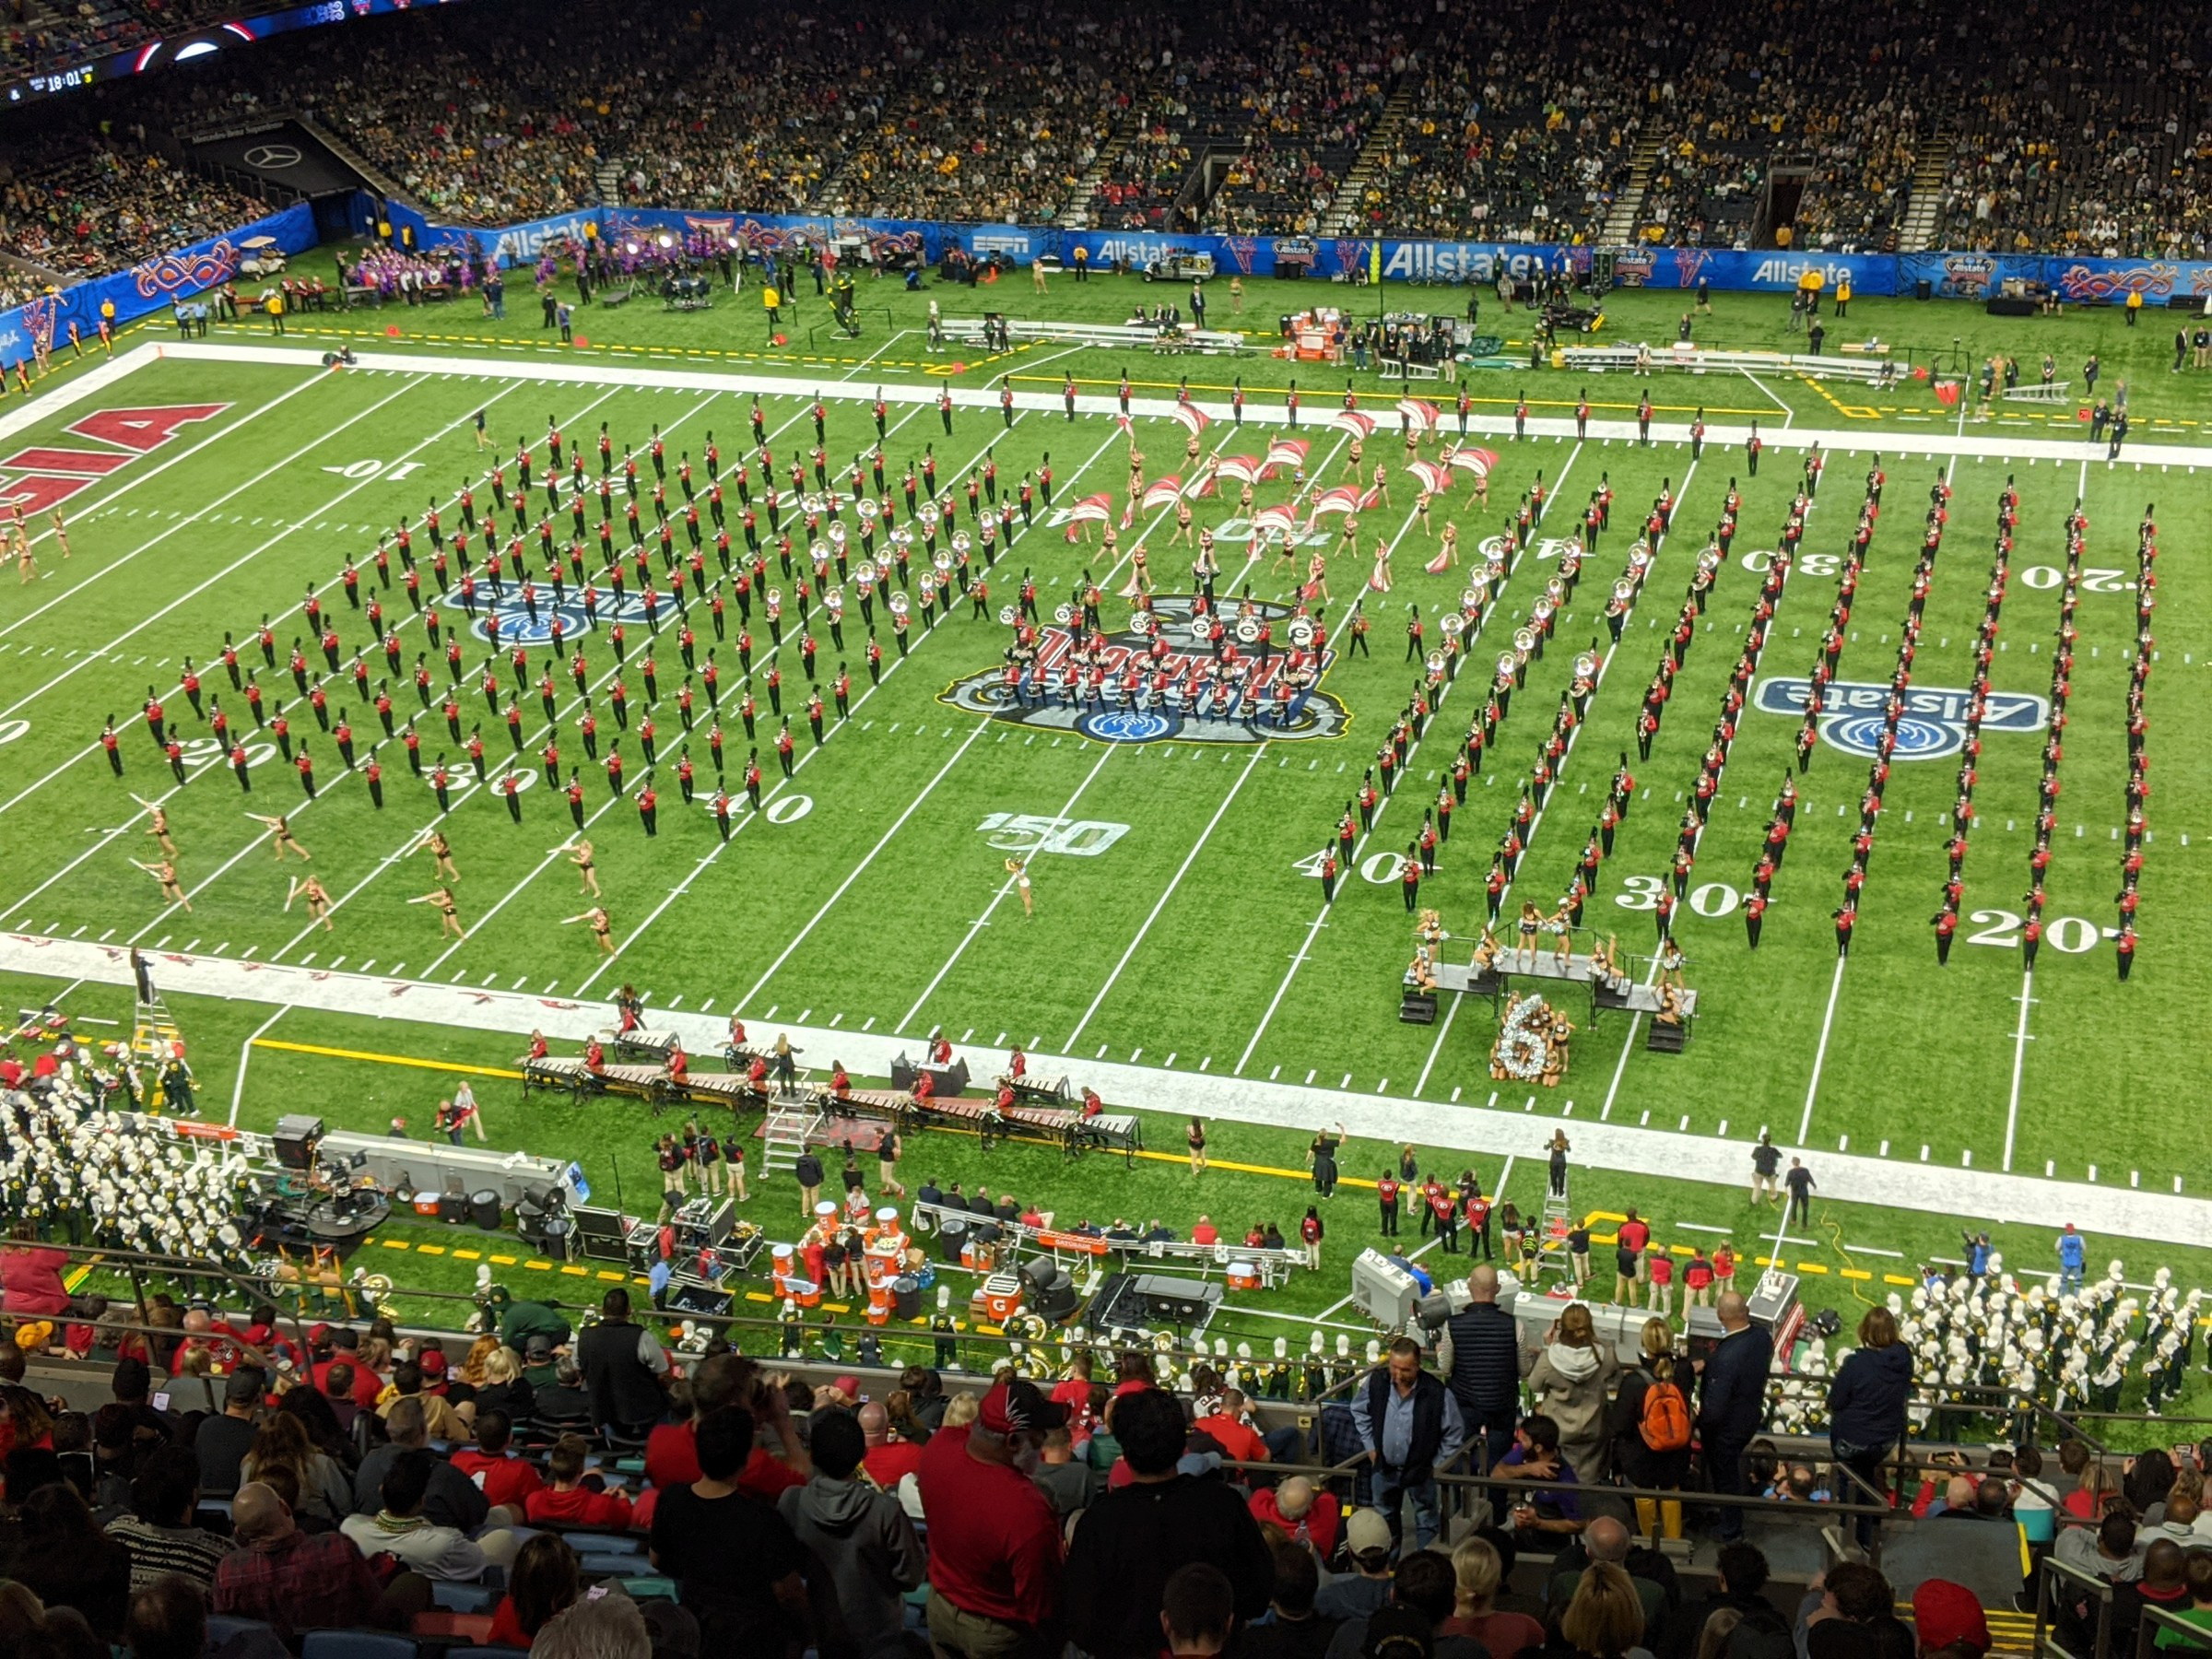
x: 639, y: 1043
x: 734, y: 1090
x: 890, y: 1105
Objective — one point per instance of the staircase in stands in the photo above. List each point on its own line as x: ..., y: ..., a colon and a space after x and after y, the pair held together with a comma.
x: 1344, y: 215
x: 608, y: 175
x: 1623, y: 218
x: 1918, y: 233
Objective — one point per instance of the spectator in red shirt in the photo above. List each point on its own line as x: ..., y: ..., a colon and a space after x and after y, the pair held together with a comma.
x: 993, y: 1540
x: 1306, y: 1515
x: 502, y: 1478
x: 546, y: 1578
x: 1206, y: 1232
x: 888, y: 1460
x: 719, y: 1380
x: 1227, y: 1428
x: 293, y: 1580
x: 31, y: 1279
x: 569, y: 1499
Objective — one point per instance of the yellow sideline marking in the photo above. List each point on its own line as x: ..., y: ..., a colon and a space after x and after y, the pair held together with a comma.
x: 340, y: 1054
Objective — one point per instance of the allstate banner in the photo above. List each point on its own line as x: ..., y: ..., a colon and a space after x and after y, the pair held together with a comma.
x: 151, y: 285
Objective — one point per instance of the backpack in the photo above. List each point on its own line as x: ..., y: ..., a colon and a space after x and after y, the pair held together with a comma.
x: 1664, y: 1424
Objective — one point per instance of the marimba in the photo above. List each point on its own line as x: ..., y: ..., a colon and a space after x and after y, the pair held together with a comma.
x: 564, y: 1072
x: 734, y: 1090
x: 639, y: 1043
x: 1038, y: 1091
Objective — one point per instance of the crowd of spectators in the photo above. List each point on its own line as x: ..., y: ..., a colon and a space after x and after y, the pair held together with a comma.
x: 1518, y: 122
x: 369, y: 1481
x: 80, y: 204
x: 2078, y: 141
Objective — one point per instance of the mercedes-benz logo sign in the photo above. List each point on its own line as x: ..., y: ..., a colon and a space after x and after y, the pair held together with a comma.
x: 272, y: 158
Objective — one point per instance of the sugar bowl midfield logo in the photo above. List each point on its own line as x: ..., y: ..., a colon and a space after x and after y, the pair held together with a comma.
x: 1315, y: 714
x: 517, y: 628
x: 1933, y: 725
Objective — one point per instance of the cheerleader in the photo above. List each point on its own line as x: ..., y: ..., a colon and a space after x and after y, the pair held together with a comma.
x: 166, y: 874
x: 580, y: 854
x: 158, y: 825
x: 280, y: 836
x: 1380, y: 581
x: 1533, y: 921
x: 1140, y: 574
x: 1382, y: 485
x: 318, y: 900
x: 1020, y: 870
x: 1136, y: 473
x: 449, y: 920
x: 1352, y: 459
x: 1185, y: 530
x: 601, y: 924
x: 1556, y: 924
x: 1420, y: 510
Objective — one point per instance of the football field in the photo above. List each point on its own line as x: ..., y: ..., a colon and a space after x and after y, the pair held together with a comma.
x: 1179, y: 933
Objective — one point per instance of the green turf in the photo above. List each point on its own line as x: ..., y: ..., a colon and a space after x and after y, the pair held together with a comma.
x: 198, y: 542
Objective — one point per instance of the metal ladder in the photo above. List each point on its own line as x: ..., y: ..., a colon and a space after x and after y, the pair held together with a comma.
x: 1552, y: 1227
x: 785, y: 1133
x: 154, y: 1039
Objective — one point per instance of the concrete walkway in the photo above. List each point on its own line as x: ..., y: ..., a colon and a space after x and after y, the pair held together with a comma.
x: 2114, y: 1212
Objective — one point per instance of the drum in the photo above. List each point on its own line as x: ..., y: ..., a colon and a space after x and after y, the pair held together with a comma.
x: 906, y: 1296
x: 1002, y: 1297
x: 1243, y: 1275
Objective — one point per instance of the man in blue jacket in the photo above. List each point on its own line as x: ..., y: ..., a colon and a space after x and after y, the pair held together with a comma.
x: 2073, y: 1252
x: 1732, y: 1402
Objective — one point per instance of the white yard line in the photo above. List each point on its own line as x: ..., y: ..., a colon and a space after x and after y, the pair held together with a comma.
x: 236, y: 565
x: 1006, y: 886
x: 780, y: 788
x: 94, y: 748
x: 339, y: 779
x: 1167, y: 893
x: 1605, y: 665
x: 1788, y: 414
x: 2021, y: 1039
x: 1835, y: 986
x: 245, y: 1052
x: 132, y: 477
x: 1321, y: 916
x: 856, y: 872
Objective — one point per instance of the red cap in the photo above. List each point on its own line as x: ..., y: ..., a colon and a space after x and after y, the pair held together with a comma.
x: 1019, y: 1405
x: 432, y: 1362
x: 1948, y: 1613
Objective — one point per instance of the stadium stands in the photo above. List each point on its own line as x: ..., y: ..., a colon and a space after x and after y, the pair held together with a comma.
x: 81, y: 205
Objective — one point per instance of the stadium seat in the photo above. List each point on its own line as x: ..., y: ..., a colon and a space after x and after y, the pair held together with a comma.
x: 605, y: 1544
x: 227, y: 1632
x: 488, y: 1652
x: 609, y: 1566
x: 357, y: 1645
x: 464, y: 1598
x: 651, y: 1587
x: 450, y: 1630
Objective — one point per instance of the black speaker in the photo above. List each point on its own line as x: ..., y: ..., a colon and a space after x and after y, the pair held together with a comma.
x: 295, y: 1141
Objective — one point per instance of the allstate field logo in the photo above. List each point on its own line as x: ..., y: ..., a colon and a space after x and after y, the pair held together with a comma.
x: 519, y: 626
x: 1932, y: 726
x: 1184, y: 692
x: 1968, y: 276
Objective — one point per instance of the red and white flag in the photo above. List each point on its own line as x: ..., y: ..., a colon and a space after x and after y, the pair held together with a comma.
x: 1244, y: 469
x: 1344, y: 498
x: 1421, y: 413
x: 1191, y: 416
x: 1354, y: 422
x: 1275, y: 520
x: 1435, y: 479
x: 1162, y: 492
x: 1476, y: 461
x: 1287, y: 452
